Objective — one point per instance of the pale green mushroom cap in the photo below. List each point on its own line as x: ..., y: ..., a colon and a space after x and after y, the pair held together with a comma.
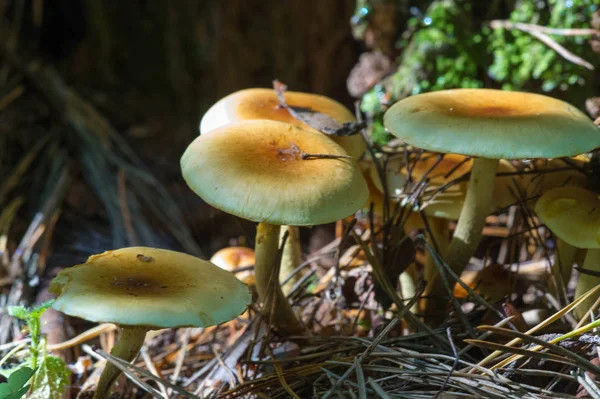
x: 492, y: 124
x: 150, y: 287
x: 255, y: 170
x: 572, y: 214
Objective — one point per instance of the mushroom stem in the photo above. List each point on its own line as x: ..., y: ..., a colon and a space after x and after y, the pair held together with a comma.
x: 561, y: 271
x: 276, y: 306
x: 475, y: 209
x: 409, y: 286
x: 290, y: 258
x: 587, y: 282
x: 128, y: 347
x: 467, y: 234
x: 440, y: 231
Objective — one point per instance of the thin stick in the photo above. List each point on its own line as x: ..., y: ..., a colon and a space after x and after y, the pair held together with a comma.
x: 538, y: 33
x: 304, y: 155
x: 152, y: 368
x: 83, y: 337
x: 542, y: 29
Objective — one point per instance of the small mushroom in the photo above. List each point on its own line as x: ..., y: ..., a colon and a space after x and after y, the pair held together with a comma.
x: 488, y: 125
x: 142, y: 289
x: 551, y: 174
x: 259, y: 170
x: 234, y: 258
x: 492, y: 283
x: 573, y: 215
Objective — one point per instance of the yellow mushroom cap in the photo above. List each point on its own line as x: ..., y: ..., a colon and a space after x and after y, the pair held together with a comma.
x: 151, y: 287
x: 492, y: 124
x: 233, y: 258
x: 573, y: 214
x: 255, y: 170
x: 257, y: 103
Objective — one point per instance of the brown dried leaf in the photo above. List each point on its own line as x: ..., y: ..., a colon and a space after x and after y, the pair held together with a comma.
x: 321, y: 122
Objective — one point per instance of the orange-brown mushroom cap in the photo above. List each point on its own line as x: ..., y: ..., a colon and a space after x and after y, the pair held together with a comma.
x: 255, y: 170
x: 233, y: 258
x: 257, y: 103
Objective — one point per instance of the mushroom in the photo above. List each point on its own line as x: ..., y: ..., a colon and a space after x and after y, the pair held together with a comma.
x: 275, y: 174
x: 141, y: 289
x: 234, y: 258
x: 493, y: 283
x: 552, y: 174
x: 258, y: 103
x: 446, y: 205
x: 488, y: 125
x: 573, y: 215
x: 252, y: 104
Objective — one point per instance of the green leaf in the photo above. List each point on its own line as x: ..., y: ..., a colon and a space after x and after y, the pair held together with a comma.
x: 20, y: 312
x: 19, y: 378
x: 18, y: 394
x: 15, y: 388
x: 50, y: 380
x: 37, y: 311
x: 5, y: 390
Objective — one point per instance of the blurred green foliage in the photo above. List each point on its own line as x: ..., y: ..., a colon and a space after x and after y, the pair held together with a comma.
x: 50, y: 373
x: 522, y: 61
x: 450, y: 44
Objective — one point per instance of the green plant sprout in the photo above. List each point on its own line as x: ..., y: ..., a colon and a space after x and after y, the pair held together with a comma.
x: 50, y: 373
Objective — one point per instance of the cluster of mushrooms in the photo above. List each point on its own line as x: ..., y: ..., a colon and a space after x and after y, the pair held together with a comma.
x: 255, y: 160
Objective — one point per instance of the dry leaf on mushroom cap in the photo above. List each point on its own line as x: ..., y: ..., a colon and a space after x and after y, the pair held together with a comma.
x: 251, y: 104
